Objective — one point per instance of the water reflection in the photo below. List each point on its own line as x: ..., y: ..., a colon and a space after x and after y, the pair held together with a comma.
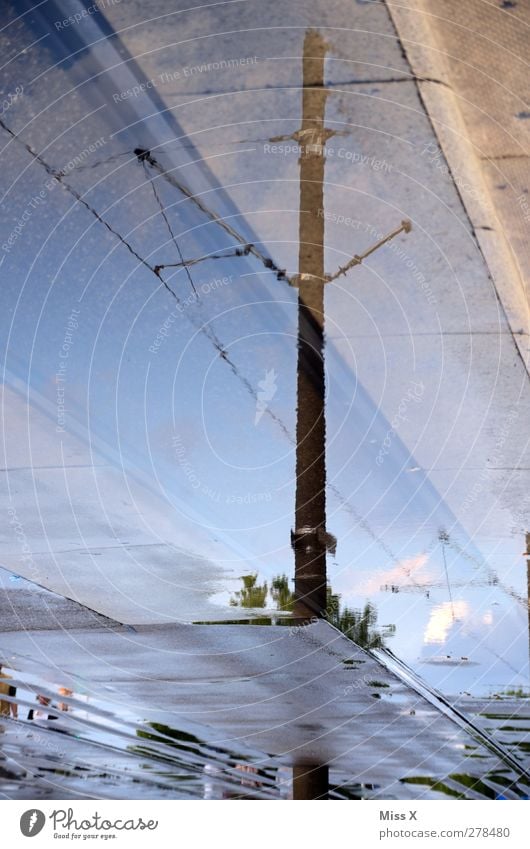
x: 7, y: 708
x: 187, y: 315
x: 94, y: 748
x: 252, y: 594
x: 495, y: 787
x: 527, y: 551
x: 310, y: 782
x: 38, y: 714
x: 358, y: 624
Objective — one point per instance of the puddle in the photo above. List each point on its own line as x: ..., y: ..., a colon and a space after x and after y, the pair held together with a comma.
x: 360, y: 626
x: 217, y: 500
x: 57, y: 742
x: 64, y: 744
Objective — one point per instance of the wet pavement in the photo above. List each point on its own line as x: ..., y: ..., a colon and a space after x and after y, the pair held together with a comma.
x: 234, y: 710
x: 149, y: 456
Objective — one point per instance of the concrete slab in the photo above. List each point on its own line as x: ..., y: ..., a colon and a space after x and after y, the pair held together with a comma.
x: 25, y: 606
x: 303, y: 694
x: 480, y: 115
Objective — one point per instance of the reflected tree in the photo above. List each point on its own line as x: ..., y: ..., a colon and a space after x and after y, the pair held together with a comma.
x: 358, y: 625
x: 282, y: 596
x: 252, y: 594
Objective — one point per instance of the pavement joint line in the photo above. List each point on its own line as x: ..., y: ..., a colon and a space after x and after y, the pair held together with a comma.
x: 504, y: 156
x: 328, y: 86
x: 93, y: 548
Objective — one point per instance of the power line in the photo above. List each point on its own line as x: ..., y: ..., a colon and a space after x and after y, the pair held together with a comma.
x: 171, y: 233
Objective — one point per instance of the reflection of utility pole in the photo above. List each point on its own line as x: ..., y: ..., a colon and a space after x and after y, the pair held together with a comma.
x: 309, y: 538
x: 310, y: 782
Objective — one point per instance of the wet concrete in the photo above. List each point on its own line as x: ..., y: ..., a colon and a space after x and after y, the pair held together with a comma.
x: 25, y: 605
x: 302, y: 697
